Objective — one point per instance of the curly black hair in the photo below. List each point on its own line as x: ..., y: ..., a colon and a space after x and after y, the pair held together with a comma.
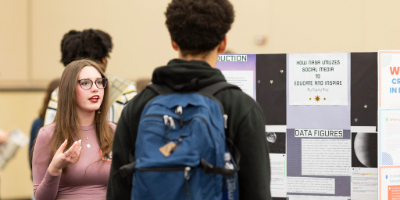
x: 92, y: 44
x: 198, y: 26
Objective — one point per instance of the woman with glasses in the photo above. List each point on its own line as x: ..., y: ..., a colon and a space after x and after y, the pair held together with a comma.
x: 72, y: 156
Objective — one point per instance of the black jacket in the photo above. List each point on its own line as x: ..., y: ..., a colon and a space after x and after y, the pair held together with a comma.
x: 246, y: 128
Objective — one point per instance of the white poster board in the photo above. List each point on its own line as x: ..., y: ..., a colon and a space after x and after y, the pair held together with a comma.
x: 389, y: 124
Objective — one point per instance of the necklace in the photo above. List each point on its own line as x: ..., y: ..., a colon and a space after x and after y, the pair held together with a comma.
x: 87, y: 140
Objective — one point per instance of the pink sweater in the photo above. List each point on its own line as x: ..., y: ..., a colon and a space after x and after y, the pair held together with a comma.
x: 87, y: 179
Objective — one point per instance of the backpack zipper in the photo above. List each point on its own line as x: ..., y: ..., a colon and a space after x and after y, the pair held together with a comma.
x: 169, y: 120
x: 165, y: 119
x: 180, y: 139
x: 225, y: 121
x: 166, y: 122
x: 187, y: 177
x: 161, y: 169
x: 179, y: 111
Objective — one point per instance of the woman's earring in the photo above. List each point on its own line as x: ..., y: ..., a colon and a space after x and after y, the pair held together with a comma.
x: 98, y: 111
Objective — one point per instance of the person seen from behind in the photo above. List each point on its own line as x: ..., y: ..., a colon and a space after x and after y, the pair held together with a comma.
x: 198, y: 31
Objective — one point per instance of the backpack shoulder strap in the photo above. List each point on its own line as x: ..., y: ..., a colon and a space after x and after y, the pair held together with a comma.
x: 128, y: 169
x: 216, y: 87
x: 160, y: 89
x: 211, y: 90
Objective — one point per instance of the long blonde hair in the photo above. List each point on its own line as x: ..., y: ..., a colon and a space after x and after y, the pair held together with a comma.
x: 67, y: 121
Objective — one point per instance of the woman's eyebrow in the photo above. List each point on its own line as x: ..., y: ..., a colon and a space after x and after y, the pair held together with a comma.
x: 91, y: 79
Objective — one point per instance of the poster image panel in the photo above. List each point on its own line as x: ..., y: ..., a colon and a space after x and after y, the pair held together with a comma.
x: 364, y: 163
x: 276, y: 142
x: 271, y: 87
x: 364, y: 151
x: 364, y: 89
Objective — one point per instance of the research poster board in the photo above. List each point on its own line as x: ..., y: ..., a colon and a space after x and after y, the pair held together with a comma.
x: 319, y: 148
x: 389, y: 124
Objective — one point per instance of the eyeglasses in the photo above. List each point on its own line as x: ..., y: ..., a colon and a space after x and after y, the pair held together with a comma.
x: 87, y: 84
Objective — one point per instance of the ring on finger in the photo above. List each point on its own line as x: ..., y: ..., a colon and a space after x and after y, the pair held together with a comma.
x: 66, y: 154
x: 73, y: 156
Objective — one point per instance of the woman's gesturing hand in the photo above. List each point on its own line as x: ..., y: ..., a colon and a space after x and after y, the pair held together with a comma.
x: 3, y: 136
x: 61, y: 160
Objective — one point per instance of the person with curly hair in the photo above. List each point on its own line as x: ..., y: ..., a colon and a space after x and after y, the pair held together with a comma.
x: 95, y: 45
x: 198, y: 31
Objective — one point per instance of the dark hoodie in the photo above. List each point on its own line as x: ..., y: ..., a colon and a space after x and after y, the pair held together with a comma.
x: 246, y: 128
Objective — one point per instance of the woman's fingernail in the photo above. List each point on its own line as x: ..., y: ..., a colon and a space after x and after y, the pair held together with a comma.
x: 80, y: 142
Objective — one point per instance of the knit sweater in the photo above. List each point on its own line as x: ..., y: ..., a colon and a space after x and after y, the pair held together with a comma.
x: 86, y: 179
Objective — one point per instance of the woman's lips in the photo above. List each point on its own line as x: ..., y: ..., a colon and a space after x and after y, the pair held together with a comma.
x: 94, y: 99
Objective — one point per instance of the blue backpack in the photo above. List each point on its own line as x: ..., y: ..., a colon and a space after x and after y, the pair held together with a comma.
x: 180, y: 146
